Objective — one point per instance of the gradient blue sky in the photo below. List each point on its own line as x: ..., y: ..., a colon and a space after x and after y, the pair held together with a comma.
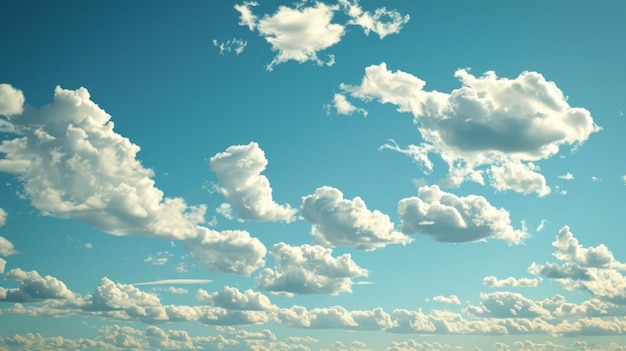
x: 348, y: 175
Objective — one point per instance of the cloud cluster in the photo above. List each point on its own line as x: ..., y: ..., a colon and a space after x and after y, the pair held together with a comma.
x: 33, y: 287
x: 233, y: 299
x: 343, y: 222
x: 301, y: 32
x: 592, y: 269
x: 75, y: 165
x: 449, y: 218
x: 238, y: 171
x: 309, y: 269
x: 232, y: 45
x: 490, y: 126
x: 229, y: 251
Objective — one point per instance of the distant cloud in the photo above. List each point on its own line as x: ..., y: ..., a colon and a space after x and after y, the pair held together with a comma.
x: 301, y: 32
x: 233, y: 45
x: 74, y: 165
x: 343, y: 222
x: 175, y: 282
x: 567, y: 176
x: 232, y: 299
x: 453, y: 299
x: 514, y: 122
x: 309, y: 269
x: 449, y: 218
x: 238, y: 171
x: 493, y: 282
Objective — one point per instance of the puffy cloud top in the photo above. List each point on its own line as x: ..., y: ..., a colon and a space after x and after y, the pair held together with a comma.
x: 501, y: 123
x: 342, y: 222
x: 449, y: 218
x: 11, y: 100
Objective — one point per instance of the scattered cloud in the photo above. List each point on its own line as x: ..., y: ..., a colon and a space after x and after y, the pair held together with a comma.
x: 232, y: 299
x: 343, y: 222
x: 229, y: 251
x: 301, y: 32
x: 567, y: 176
x: 494, y: 282
x: 449, y: 218
x: 309, y: 269
x: 159, y: 259
x: 74, y: 165
x: 490, y: 126
x: 344, y: 107
x: 238, y: 170
x: 6, y: 247
x: 233, y: 45
x: 453, y: 299
x: 176, y: 282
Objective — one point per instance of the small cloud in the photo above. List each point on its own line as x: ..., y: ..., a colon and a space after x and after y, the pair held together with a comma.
x: 453, y: 299
x: 88, y: 246
x: 567, y: 176
x: 344, y: 107
x: 176, y: 282
x: 620, y: 113
x: 233, y: 45
x: 596, y: 179
x: 178, y: 291
x: 541, y: 225
x: 159, y: 259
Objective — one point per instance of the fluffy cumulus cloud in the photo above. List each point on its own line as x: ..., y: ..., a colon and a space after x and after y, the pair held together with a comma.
x: 309, y: 269
x: 343, y: 222
x: 11, y: 101
x: 229, y: 251
x: 74, y: 165
x: 6, y: 247
x: 494, y: 282
x: 449, y: 218
x: 335, y: 317
x: 299, y: 33
x: 238, y: 170
x: 592, y: 269
x: 452, y: 299
x: 233, y: 299
x: 34, y: 287
x: 489, y: 126
x: 344, y: 107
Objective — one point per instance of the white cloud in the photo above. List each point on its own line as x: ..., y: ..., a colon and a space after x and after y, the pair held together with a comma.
x: 504, y: 124
x: 453, y: 299
x: 541, y: 225
x: 344, y: 107
x: 75, y: 165
x: 570, y: 250
x: 335, y: 317
x: 11, y: 100
x: 3, y: 217
x: 309, y: 269
x: 494, y: 282
x: 3, y: 264
x: 343, y: 222
x: 34, y: 287
x: 238, y: 170
x: 6, y: 247
x: 504, y: 304
x: 567, y: 176
x: 233, y: 45
x: 450, y: 218
x: 230, y: 251
x: 232, y: 299
x: 296, y: 33
x: 382, y: 22
x: 176, y: 282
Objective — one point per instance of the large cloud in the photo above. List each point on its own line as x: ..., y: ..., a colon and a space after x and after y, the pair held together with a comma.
x: 34, y: 287
x: 301, y: 32
x: 309, y: 269
x: 230, y: 251
x: 75, y: 165
x: 343, y: 222
x: 449, y: 218
x: 491, y: 124
x: 238, y: 170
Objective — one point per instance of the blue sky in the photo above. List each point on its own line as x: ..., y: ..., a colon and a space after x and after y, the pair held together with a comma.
x: 333, y: 175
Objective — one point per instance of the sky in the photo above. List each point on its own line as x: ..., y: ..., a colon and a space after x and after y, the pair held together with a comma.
x: 334, y: 175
